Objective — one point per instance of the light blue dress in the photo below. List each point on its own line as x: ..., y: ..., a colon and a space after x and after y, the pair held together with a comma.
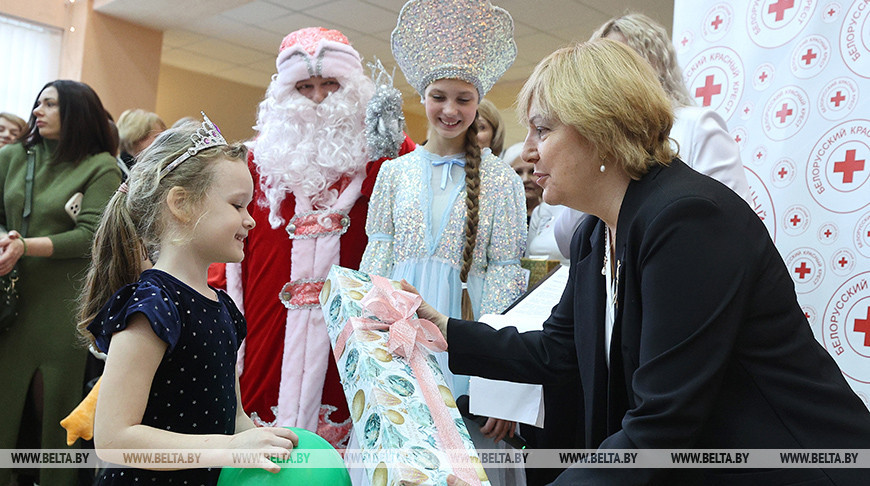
x: 416, y: 231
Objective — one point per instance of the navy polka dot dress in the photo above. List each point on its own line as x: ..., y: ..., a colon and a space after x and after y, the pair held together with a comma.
x: 193, y: 391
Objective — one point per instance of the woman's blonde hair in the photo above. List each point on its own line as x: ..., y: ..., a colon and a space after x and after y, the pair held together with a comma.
x: 487, y: 110
x: 611, y: 96
x: 16, y: 120
x: 649, y: 39
x: 134, y: 221
x: 136, y: 125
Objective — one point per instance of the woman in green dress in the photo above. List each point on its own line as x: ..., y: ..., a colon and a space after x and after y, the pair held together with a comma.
x: 41, y: 362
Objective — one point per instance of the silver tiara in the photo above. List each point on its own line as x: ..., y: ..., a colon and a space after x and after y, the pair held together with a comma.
x: 206, y: 136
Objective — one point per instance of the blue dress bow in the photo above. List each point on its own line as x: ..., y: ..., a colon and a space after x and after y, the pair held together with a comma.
x: 445, y: 173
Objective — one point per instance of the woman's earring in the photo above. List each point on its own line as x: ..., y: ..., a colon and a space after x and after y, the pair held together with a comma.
x: 602, y: 167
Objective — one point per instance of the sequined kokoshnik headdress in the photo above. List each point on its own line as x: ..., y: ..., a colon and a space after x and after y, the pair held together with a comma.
x: 469, y: 40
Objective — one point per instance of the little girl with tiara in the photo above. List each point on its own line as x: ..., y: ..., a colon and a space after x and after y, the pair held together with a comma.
x: 170, y: 380
x: 450, y: 218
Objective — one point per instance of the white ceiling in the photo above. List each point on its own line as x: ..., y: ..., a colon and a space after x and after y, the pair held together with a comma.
x: 238, y: 39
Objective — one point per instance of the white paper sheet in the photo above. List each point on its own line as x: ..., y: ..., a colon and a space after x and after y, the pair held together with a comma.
x: 519, y: 402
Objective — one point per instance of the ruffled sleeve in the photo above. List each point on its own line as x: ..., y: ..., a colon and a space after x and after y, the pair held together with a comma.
x: 505, y: 278
x: 378, y: 256
x: 141, y: 297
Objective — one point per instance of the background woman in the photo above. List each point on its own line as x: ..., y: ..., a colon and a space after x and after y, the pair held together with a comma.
x: 699, y: 135
x: 679, y: 317
x: 137, y: 129
x: 490, y: 127
x: 11, y: 128
x: 525, y: 171
x: 74, y: 176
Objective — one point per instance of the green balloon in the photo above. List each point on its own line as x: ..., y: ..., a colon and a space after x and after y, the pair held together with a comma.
x: 321, y: 467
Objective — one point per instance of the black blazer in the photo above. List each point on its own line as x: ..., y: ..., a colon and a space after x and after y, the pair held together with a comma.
x: 710, y: 348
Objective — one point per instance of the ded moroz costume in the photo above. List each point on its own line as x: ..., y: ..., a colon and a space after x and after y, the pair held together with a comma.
x: 313, y: 177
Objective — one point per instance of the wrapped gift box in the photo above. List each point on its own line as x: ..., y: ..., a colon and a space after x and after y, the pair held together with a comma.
x: 396, y: 402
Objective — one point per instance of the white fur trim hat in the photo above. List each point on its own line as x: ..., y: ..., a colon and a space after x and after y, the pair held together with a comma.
x: 315, y: 51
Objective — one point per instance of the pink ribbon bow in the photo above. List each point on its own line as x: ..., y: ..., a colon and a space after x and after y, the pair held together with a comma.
x: 395, y: 310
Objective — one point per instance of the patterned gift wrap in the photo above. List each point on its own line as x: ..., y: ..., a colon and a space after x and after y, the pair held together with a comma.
x: 387, y: 392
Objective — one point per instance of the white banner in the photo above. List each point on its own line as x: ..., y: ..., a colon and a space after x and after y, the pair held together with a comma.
x: 791, y: 79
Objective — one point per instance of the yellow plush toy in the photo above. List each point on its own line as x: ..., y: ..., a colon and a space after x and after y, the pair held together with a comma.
x: 80, y: 422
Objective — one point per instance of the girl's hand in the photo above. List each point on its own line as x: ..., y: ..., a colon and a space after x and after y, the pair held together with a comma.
x: 497, y: 429
x: 454, y: 481
x: 274, y: 442
x: 426, y: 311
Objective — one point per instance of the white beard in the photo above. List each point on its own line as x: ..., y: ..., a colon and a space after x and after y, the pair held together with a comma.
x: 304, y: 148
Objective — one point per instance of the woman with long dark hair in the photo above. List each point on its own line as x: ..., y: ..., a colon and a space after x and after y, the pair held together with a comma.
x: 67, y: 150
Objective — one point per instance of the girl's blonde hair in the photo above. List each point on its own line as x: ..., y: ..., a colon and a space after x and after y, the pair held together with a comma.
x: 611, y: 96
x: 651, y: 41
x: 134, y: 221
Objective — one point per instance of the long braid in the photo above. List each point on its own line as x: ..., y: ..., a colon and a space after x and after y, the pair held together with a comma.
x: 472, y: 195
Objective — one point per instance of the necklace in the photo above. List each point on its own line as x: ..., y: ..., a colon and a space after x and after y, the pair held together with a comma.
x: 606, y: 269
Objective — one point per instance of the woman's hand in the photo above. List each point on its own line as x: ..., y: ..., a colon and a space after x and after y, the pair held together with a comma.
x: 272, y: 442
x: 11, y: 250
x: 497, y: 429
x: 426, y: 311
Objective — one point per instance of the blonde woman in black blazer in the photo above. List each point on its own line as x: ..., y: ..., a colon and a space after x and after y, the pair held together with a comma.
x: 707, y: 347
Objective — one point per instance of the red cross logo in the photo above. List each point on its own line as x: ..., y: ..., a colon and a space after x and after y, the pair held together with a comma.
x: 828, y: 233
x: 843, y: 262
x: 809, y: 56
x: 708, y: 90
x: 779, y: 8
x: 737, y: 138
x: 784, y: 112
x: 684, y: 41
x: 746, y: 110
x: 716, y: 23
x: 794, y: 220
x: 763, y: 76
x: 839, y: 97
x: 832, y: 12
x: 802, y: 270
x: 849, y: 166
x: 863, y: 325
x: 782, y: 173
x: 759, y: 155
